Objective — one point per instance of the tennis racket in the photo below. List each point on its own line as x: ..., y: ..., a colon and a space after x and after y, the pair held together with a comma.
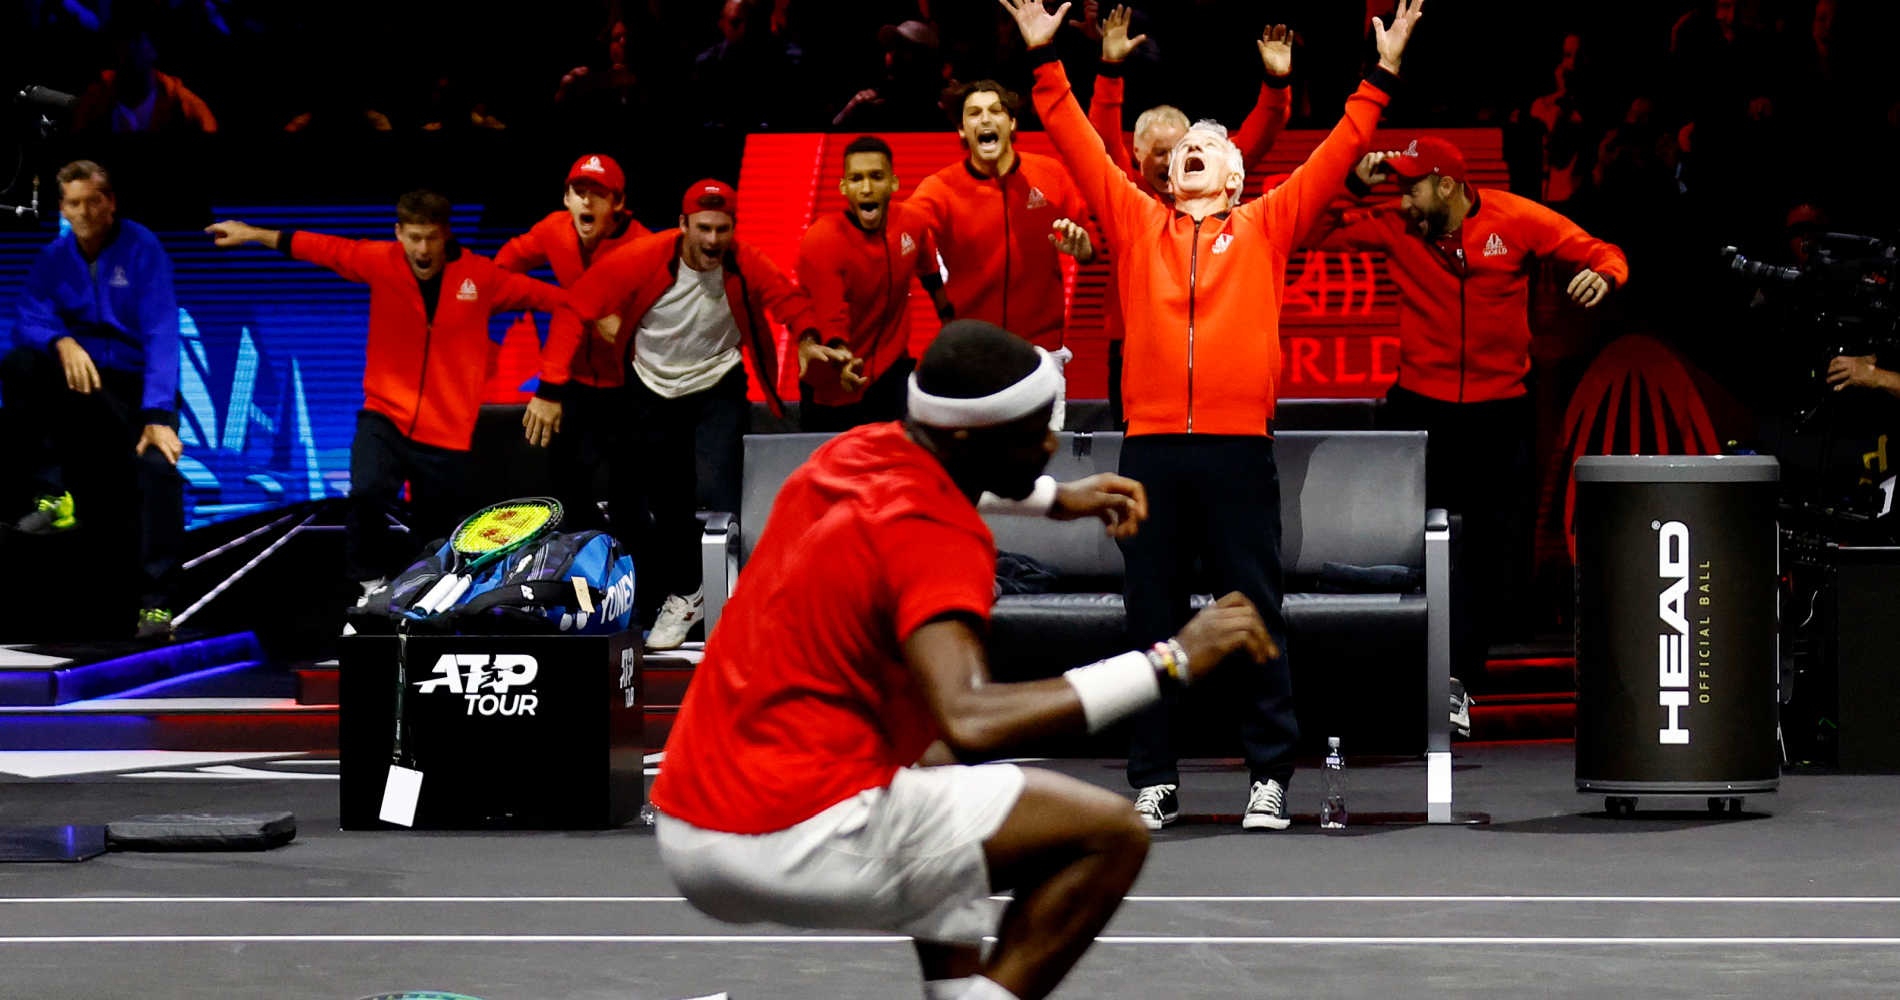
x: 485, y: 537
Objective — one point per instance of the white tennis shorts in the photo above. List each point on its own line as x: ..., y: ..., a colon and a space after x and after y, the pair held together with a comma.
x: 906, y: 858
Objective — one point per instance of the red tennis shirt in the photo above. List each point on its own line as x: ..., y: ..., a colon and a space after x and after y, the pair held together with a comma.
x: 803, y: 699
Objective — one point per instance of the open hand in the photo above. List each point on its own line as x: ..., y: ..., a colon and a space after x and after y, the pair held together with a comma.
x: 1391, y: 40
x: 1121, y: 503
x: 1276, y: 49
x: 1037, y: 24
x: 1116, y: 45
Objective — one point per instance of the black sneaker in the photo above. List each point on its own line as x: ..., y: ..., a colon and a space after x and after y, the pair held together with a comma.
x: 154, y: 624
x: 1157, y: 805
x: 1461, y: 708
x: 1266, y: 807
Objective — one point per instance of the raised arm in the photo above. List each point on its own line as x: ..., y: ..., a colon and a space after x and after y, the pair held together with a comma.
x: 1105, y: 102
x: 1106, y: 188
x: 522, y: 254
x: 348, y: 258
x: 1268, y: 117
x: 1296, y: 206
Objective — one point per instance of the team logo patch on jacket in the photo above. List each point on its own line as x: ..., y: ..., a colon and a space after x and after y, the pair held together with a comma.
x: 467, y: 292
x: 119, y: 280
x: 1222, y: 241
x: 1037, y: 199
x: 1494, y: 246
x: 907, y: 246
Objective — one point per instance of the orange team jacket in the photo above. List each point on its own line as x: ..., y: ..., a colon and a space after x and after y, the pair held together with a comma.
x: 426, y: 376
x: 174, y: 106
x: 570, y: 352
x: 1255, y: 139
x: 1464, y: 303
x: 631, y: 279
x: 1202, y: 299
x: 993, y: 233
x: 859, y: 284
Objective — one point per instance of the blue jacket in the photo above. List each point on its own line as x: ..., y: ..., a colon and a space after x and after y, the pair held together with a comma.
x: 122, y: 312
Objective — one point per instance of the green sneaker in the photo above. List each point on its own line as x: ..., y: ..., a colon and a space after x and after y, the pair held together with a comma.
x: 51, y: 515
x: 154, y: 623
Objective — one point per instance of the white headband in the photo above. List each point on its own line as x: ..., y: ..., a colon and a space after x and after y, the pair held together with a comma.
x: 1034, y: 391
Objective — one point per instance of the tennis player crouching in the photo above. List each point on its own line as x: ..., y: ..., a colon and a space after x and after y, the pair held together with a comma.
x: 810, y: 779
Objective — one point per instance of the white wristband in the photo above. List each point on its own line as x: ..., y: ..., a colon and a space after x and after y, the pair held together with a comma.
x: 1038, y: 503
x: 1115, y: 688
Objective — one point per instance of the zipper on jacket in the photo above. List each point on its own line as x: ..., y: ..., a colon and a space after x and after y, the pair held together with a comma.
x: 1002, y: 185
x: 1194, y: 268
x: 422, y: 380
x: 1464, y: 334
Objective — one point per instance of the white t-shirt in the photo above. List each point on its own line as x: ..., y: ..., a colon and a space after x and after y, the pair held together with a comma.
x: 688, y: 341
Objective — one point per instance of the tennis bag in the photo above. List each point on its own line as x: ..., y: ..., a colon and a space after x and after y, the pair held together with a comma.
x: 569, y: 583
x: 578, y: 583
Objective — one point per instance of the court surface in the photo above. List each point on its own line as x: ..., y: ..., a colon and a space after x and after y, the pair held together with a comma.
x: 1799, y: 895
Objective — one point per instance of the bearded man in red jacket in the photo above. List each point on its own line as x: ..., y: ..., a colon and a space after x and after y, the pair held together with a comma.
x: 1463, y: 259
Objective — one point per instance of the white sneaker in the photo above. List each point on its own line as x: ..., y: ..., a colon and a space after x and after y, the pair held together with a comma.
x: 677, y: 617
x: 1266, y: 807
x: 1461, y: 708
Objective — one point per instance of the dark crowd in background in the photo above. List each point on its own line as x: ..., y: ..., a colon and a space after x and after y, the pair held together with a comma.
x: 1670, y: 127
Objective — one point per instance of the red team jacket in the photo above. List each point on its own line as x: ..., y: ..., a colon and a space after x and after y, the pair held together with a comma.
x: 859, y: 284
x: 993, y: 233
x: 569, y: 353
x: 426, y: 376
x: 1255, y: 138
x: 1464, y: 304
x: 1202, y: 298
x: 631, y: 279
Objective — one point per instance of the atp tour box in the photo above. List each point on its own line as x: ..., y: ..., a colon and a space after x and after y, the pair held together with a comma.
x: 480, y: 731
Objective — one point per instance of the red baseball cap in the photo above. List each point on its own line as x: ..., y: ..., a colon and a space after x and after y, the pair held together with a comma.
x: 1425, y: 156
x: 601, y: 170
x: 710, y: 196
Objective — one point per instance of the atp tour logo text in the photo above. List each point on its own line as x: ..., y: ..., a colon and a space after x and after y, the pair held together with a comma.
x: 500, y: 684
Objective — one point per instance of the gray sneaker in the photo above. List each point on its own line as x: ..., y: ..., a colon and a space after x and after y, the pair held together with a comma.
x: 1266, y: 807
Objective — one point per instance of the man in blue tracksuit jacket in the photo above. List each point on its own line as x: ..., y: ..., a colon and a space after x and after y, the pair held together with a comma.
x: 91, y: 385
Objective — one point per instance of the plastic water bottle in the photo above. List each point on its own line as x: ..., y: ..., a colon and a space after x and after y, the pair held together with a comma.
x: 1332, y: 812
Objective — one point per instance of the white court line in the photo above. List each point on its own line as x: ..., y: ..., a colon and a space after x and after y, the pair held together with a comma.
x: 1145, y: 940
x: 324, y: 900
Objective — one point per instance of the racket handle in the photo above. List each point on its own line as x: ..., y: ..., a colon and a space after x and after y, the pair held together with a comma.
x: 427, y: 604
x: 462, y: 584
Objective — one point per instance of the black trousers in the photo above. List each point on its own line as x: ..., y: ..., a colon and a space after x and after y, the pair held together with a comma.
x: 382, y: 459
x: 668, y: 450
x: 885, y: 399
x: 585, y: 446
x: 1214, y: 501
x: 1478, y: 466
x: 1115, y: 415
x: 65, y: 441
